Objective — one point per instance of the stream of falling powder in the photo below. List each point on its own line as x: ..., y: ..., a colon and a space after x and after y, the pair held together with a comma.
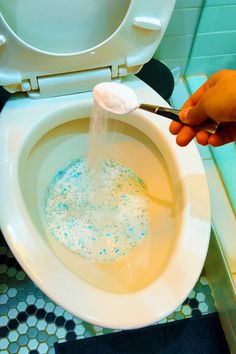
x: 97, y: 207
x: 97, y: 137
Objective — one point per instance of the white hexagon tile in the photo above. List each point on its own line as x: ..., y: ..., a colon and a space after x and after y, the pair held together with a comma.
x: 31, y: 323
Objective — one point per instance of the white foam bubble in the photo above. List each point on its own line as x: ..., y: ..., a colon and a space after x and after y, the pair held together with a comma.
x: 100, y: 219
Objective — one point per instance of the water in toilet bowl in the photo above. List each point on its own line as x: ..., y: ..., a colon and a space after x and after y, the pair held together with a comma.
x: 97, y: 207
x: 101, y: 219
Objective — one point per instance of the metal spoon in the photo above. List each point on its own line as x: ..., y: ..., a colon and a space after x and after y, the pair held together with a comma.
x: 121, y: 99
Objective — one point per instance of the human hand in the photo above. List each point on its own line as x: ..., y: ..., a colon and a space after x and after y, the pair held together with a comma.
x: 215, y: 99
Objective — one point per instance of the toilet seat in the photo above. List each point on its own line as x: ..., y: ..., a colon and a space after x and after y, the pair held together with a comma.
x: 125, y: 43
x: 42, y: 73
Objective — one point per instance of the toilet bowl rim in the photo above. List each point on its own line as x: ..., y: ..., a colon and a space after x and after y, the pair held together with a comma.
x: 117, y: 323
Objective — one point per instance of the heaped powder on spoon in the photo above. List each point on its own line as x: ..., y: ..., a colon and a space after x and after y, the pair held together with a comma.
x: 115, y: 97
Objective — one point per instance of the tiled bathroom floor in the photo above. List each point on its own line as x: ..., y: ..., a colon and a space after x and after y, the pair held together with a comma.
x: 31, y: 323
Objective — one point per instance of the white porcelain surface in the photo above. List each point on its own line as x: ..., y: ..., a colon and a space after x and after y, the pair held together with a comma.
x: 23, y: 123
x: 117, y: 35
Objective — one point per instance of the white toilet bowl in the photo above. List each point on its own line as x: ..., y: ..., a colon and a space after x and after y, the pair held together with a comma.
x: 57, y: 57
x: 120, y: 295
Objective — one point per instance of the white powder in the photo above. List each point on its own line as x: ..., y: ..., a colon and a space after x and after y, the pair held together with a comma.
x: 97, y: 207
x: 97, y: 136
x: 116, y: 98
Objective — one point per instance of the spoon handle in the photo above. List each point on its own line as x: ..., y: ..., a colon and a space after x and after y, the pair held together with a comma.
x: 209, y: 125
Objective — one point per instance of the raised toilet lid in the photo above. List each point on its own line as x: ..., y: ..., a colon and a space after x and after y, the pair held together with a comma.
x: 57, y: 47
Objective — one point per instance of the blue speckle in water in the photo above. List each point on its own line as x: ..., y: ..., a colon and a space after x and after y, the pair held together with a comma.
x: 62, y: 206
x: 64, y: 191
x: 68, y: 202
x: 72, y: 224
x: 76, y: 174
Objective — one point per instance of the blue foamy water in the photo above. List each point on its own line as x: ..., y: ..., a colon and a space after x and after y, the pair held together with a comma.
x: 101, y: 217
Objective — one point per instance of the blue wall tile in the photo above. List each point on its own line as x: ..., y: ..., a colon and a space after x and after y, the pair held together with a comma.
x: 209, y: 65
x: 214, y: 47
x: 173, y: 47
x: 176, y: 45
x: 215, y: 43
x: 218, y: 18
x: 183, y: 21
x: 201, y: 37
x: 219, y: 2
x: 188, y: 3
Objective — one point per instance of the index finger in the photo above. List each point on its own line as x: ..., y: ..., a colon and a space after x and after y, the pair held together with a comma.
x: 193, y: 100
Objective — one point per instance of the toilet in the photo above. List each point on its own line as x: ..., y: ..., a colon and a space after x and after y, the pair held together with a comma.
x: 52, y: 54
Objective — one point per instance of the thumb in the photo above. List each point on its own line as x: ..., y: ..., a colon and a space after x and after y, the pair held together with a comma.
x: 193, y: 115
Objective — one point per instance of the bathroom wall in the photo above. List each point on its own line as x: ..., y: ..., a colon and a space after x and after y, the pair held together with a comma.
x: 177, y: 43
x: 214, y: 46
x: 201, y: 37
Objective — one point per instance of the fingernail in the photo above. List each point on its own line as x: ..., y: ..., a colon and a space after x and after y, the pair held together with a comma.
x: 184, y: 114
